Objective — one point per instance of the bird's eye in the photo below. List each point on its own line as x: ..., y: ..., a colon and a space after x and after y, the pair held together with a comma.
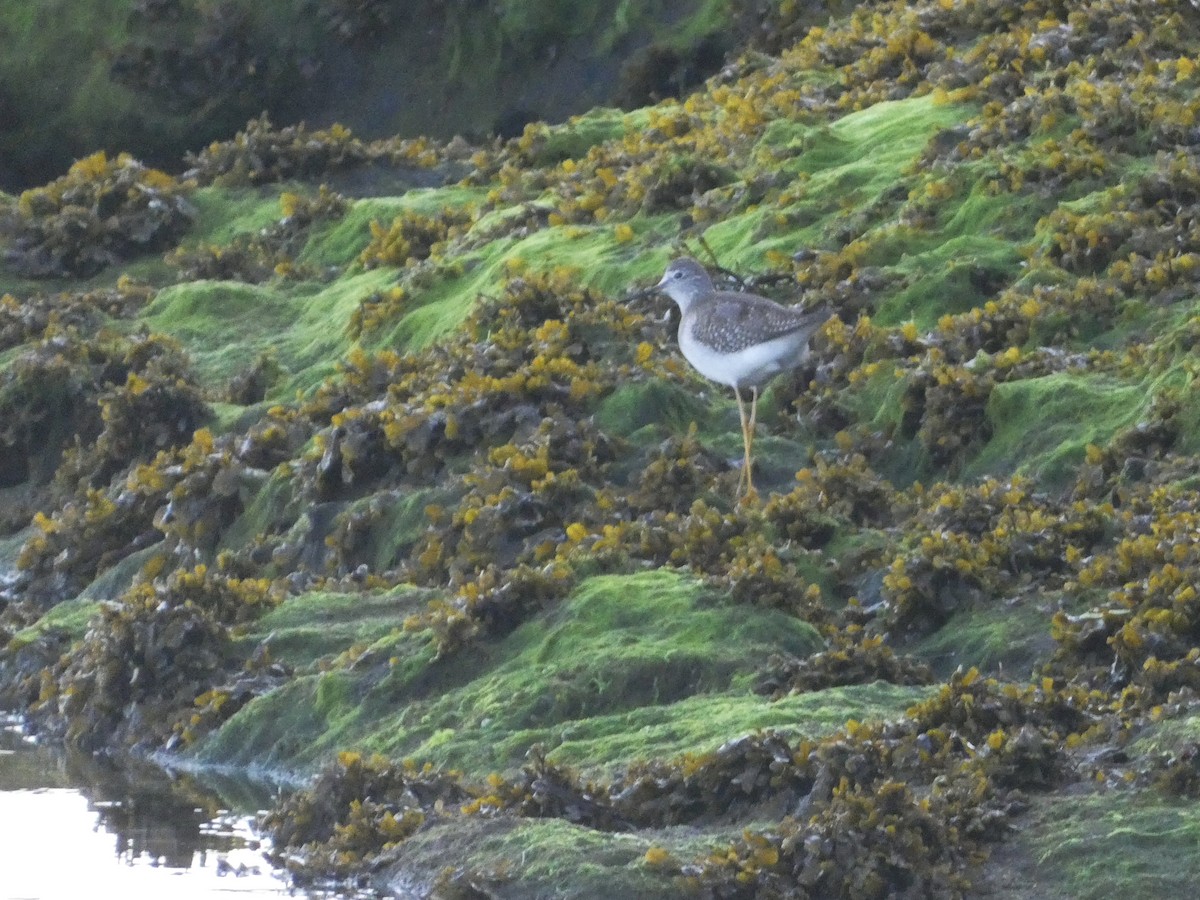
x: 678, y: 274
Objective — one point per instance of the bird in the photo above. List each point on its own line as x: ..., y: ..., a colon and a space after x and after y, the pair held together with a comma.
x: 738, y: 339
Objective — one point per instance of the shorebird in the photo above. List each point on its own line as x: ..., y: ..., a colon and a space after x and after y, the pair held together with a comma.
x: 738, y: 339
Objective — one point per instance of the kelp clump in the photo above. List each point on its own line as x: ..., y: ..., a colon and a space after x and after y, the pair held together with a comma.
x: 854, y: 658
x: 262, y: 154
x: 255, y: 257
x: 358, y: 807
x: 79, y: 410
x: 876, y: 810
x: 134, y: 675
x: 412, y: 237
x: 27, y: 318
x: 154, y: 667
x: 101, y: 212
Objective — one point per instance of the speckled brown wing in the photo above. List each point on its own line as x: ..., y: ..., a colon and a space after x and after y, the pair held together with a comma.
x: 731, y: 322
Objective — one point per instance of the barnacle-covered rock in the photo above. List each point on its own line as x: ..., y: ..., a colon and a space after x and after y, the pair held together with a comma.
x: 854, y: 658
x: 255, y: 257
x: 412, y: 237
x: 135, y: 673
x: 262, y: 153
x: 101, y: 212
x: 976, y: 542
x: 30, y: 318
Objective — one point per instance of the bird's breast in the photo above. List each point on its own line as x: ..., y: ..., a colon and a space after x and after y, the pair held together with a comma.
x: 752, y: 365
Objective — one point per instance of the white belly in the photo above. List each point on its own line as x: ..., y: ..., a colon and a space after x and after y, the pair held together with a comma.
x: 754, y: 365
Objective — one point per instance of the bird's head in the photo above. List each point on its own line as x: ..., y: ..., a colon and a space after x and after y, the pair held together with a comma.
x: 684, y: 281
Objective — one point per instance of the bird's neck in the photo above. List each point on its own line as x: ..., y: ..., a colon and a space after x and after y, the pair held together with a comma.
x: 685, y: 302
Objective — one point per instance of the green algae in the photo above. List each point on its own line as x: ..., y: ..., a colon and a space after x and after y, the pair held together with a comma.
x: 701, y: 724
x: 530, y: 859
x: 320, y: 625
x: 959, y: 273
x: 866, y: 147
x: 442, y: 306
x: 448, y: 294
x: 1116, y: 843
x: 114, y: 581
x: 272, y: 503
x: 71, y: 617
x: 227, y: 324
x: 573, y: 139
x: 889, y: 133
x: 617, y: 658
x: 222, y: 213
x: 847, y: 165
x: 339, y: 243
x: 1010, y: 639
x: 1043, y: 425
x: 857, y: 163
x: 653, y: 402
x: 400, y: 523
x: 594, y: 256
x: 230, y: 418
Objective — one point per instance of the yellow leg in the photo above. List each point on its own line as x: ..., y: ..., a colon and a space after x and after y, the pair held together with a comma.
x: 750, y: 492
x: 745, y: 441
x: 746, y: 481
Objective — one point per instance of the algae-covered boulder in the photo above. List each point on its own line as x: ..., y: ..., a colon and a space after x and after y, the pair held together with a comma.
x: 101, y: 212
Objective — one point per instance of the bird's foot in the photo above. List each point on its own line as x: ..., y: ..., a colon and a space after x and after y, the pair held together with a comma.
x: 746, y: 492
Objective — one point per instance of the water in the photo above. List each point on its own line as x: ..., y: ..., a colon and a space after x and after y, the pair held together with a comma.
x: 73, y: 826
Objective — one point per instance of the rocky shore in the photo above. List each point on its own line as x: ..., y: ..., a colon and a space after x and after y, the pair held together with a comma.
x: 357, y: 458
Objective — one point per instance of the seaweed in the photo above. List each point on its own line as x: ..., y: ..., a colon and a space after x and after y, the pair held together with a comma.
x: 103, y: 211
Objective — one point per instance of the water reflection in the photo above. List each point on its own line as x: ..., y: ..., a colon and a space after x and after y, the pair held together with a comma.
x: 72, y: 825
